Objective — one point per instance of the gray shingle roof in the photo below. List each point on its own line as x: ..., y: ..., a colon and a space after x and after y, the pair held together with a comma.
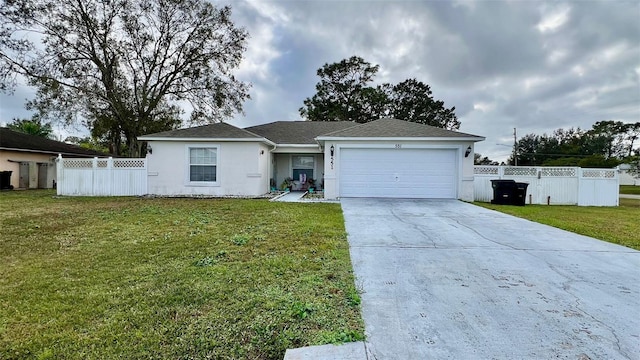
x: 392, y: 128
x: 298, y: 132
x: 15, y: 140
x: 212, y: 131
x: 306, y: 132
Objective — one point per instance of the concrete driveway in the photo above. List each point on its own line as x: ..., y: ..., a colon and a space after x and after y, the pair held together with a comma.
x: 443, y: 279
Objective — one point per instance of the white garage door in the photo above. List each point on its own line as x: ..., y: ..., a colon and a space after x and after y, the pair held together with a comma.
x: 399, y: 173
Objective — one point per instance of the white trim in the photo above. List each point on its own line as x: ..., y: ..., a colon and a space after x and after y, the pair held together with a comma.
x: 187, y: 174
x: 404, y: 146
x: 333, y: 138
x: 189, y: 139
x: 299, y: 145
x: 293, y: 150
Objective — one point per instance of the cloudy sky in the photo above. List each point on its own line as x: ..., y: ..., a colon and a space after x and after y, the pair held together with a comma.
x: 531, y: 65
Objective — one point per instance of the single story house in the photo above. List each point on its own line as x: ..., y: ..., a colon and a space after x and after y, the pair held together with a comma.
x: 382, y: 158
x: 31, y: 159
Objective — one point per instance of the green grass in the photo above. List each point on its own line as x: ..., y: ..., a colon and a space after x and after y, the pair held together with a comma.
x: 630, y: 189
x: 618, y: 225
x: 131, y: 278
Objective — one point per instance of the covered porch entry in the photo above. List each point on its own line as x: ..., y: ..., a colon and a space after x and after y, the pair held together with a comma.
x: 299, y: 170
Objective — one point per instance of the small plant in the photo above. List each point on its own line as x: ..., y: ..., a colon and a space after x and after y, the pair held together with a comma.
x: 353, y: 297
x: 311, y: 185
x: 287, y: 183
x: 301, y: 310
x: 209, y: 261
x: 205, y: 261
x: 341, y: 337
x: 240, y: 239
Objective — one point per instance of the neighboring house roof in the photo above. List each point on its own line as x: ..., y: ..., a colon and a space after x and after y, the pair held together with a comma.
x: 17, y: 141
x: 394, y: 128
x: 218, y: 131
x: 298, y: 132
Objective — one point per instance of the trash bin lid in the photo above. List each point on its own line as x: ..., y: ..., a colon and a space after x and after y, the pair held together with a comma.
x: 502, y: 183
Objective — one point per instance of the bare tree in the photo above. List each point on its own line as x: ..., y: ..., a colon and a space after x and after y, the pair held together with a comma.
x: 124, y: 67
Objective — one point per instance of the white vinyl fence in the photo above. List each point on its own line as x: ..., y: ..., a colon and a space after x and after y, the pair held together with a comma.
x: 102, y: 177
x: 553, y: 185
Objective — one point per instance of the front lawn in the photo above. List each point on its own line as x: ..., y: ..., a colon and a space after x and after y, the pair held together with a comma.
x: 630, y: 189
x: 619, y: 225
x: 132, y: 278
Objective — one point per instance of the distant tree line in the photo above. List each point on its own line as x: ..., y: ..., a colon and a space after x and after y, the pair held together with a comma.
x: 478, y: 159
x: 607, y: 144
x: 32, y: 126
x: 36, y: 127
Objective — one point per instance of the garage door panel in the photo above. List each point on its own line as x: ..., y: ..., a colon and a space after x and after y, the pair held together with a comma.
x: 402, y: 173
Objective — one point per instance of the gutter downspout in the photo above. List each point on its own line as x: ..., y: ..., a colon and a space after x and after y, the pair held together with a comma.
x: 319, y: 145
x: 271, y: 166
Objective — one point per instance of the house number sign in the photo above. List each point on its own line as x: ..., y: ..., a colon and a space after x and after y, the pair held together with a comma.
x: 398, y: 146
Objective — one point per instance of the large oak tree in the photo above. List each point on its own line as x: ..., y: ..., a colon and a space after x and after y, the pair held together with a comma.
x: 124, y: 67
x: 345, y: 93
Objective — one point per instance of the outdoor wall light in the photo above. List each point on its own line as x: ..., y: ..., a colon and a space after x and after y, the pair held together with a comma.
x: 149, y: 149
x: 466, y: 153
x: 331, y: 150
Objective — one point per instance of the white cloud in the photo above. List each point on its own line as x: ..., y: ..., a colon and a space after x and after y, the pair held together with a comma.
x: 270, y: 10
x: 261, y: 51
x: 608, y: 55
x: 553, y: 19
x: 578, y: 70
x: 484, y: 106
x: 533, y: 82
x: 557, y: 56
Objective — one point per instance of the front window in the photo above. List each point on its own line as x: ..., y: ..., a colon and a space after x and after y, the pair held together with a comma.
x: 302, y: 167
x: 202, y: 164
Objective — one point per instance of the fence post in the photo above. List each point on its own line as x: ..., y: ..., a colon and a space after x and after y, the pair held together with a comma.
x: 94, y: 175
x: 110, y: 175
x: 579, y: 174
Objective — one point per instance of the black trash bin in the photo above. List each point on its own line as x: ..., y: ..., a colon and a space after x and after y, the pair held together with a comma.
x: 521, y: 194
x: 5, y: 180
x: 504, y: 191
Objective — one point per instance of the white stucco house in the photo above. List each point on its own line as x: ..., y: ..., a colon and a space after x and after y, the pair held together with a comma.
x: 382, y: 158
x: 31, y: 159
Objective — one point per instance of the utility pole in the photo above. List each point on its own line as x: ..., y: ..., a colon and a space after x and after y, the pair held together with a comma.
x: 515, y: 147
